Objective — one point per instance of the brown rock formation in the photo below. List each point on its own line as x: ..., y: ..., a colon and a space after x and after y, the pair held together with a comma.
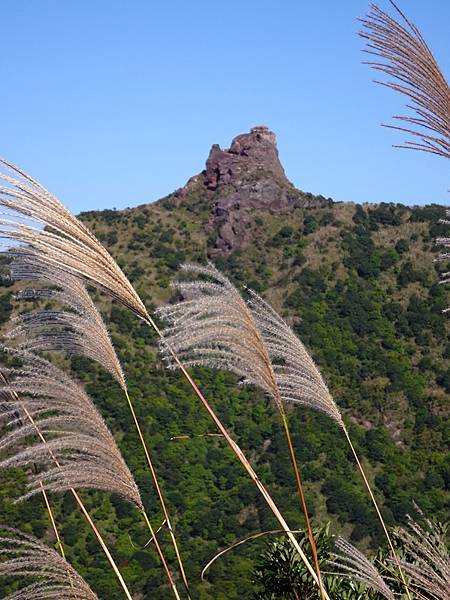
x: 246, y: 177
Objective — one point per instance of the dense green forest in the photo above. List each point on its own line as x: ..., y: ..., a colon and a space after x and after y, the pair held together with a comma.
x: 359, y: 286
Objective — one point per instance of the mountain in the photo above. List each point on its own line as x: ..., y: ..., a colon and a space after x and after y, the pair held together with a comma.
x: 246, y: 177
x: 358, y: 284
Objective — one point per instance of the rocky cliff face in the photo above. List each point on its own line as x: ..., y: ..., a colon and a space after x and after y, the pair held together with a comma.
x: 239, y: 180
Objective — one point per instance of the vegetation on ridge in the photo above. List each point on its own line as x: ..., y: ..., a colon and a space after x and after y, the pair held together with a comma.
x: 368, y: 309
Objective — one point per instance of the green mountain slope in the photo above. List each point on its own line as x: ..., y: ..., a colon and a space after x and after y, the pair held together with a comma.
x: 359, y: 286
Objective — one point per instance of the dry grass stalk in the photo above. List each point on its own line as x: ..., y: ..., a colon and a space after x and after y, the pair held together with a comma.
x: 253, y: 536
x: 6, y: 408
x: 428, y: 562
x: 203, y: 330
x: 445, y: 243
x: 415, y: 73
x: 26, y: 557
x: 20, y: 418
x: 214, y: 327
x: 81, y: 331
x: 64, y: 242
x: 248, y: 467
x: 75, y: 432
x: 352, y: 563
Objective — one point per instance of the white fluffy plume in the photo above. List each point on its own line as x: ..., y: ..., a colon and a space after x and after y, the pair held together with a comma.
x: 68, y: 437
x: 213, y: 326
x: 64, y: 241
x: 78, y: 329
x: 26, y: 557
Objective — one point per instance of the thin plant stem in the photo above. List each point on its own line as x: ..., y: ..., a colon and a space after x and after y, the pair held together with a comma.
x: 242, y: 458
x: 386, y: 533
x: 102, y: 544
x: 44, y: 493
x: 52, y: 520
x: 301, y: 494
x: 158, y: 490
x: 161, y: 555
x: 84, y: 511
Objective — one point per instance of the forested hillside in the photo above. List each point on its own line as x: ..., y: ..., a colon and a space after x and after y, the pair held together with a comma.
x: 358, y: 284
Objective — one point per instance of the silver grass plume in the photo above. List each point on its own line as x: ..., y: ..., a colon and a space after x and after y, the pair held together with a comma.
x: 352, y: 564
x: 428, y: 560
x: 298, y: 378
x: 213, y: 326
x: 403, y: 55
x: 78, y: 329
x: 26, y: 557
x: 74, y: 444
x: 63, y: 241
x: 445, y: 243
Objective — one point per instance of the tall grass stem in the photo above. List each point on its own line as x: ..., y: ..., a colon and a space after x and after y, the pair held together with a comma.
x: 375, y: 503
x: 158, y: 490
x: 242, y: 458
x: 85, y: 512
x: 161, y: 555
x: 53, y: 522
x: 301, y: 494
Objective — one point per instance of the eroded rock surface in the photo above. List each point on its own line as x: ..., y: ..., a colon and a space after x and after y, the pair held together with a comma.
x: 246, y: 177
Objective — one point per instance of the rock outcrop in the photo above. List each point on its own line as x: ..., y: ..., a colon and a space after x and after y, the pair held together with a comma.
x: 246, y: 177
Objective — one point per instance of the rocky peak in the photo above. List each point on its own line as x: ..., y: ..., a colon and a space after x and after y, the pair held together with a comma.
x: 249, y: 152
x: 240, y: 180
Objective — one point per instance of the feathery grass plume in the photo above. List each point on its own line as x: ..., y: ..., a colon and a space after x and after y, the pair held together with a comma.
x: 79, y: 330
x: 427, y: 561
x: 445, y: 243
x: 11, y: 397
x: 216, y: 328
x: 68, y: 244
x: 204, y: 330
x: 73, y: 443
x: 20, y: 417
x: 298, y: 379
x: 64, y: 241
x: 352, y: 563
x: 213, y: 326
x: 415, y: 73
x: 76, y: 434
x: 24, y: 557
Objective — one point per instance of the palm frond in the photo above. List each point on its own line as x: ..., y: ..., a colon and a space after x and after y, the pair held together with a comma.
x: 79, y: 329
x: 24, y: 557
x: 74, y: 444
x: 352, y: 563
x: 213, y: 326
x: 428, y: 562
x: 415, y: 73
x: 63, y: 241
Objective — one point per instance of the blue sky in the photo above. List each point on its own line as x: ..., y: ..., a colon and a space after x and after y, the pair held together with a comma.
x: 113, y: 104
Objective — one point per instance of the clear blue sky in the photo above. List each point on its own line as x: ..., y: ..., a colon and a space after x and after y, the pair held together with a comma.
x: 113, y: 103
